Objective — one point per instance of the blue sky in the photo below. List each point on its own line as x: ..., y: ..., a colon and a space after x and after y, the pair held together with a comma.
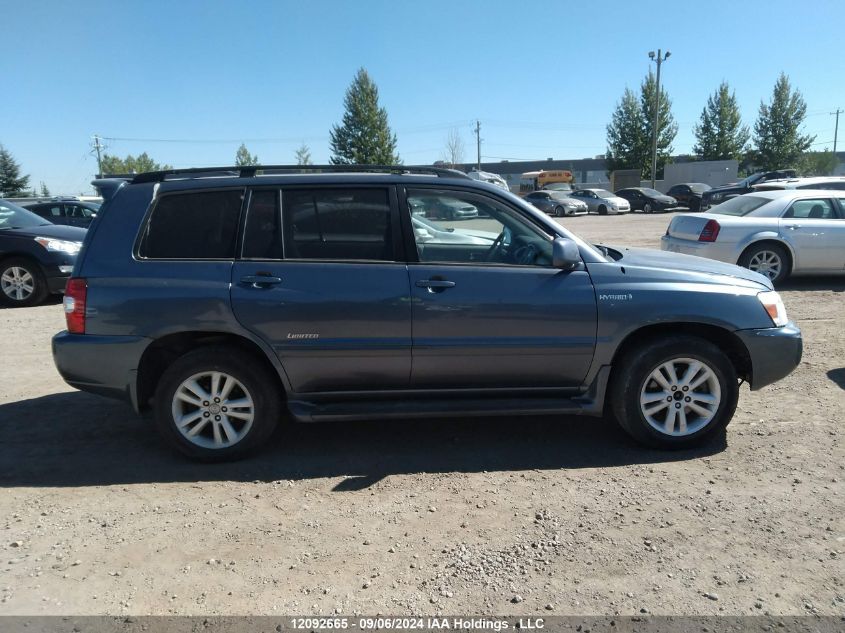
x: 543, y: 77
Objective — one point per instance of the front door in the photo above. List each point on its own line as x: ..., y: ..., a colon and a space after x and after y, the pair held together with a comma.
x: 321, y: 280
x: 489, y: 310
x: 817, y: 234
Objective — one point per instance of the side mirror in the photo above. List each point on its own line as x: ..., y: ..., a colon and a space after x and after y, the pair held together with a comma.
x: 565, y: 254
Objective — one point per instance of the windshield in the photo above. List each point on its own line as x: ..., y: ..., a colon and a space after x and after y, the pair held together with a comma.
x: 14, y: 217
x: 604, y: 193
x: 651, y: 192
x: 699, y: 188
x: 741, y: 205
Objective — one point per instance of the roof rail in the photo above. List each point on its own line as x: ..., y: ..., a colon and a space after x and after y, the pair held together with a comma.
x: 269, y: 170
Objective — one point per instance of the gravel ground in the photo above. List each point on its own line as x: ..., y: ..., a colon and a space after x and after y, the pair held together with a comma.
x: 559, y: 516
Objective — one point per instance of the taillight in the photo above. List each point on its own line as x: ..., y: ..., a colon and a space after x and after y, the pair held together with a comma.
x: 710, y: 231
x: 76, y: 294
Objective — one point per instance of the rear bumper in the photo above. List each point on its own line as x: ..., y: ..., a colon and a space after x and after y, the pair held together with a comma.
x: 710, y: 250
x: 105, y: 365
x: 774, y: 352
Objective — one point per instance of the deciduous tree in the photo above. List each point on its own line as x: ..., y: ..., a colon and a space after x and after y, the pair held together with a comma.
x: 130, y: 165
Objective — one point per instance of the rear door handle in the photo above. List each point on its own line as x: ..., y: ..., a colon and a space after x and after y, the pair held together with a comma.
x: 435, y: 285
x: 260, y: 281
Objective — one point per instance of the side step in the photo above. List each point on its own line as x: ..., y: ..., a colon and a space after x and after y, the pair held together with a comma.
x: 389, y: 409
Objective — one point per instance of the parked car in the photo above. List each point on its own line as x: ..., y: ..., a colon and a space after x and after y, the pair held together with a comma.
x: 36, y: 257
x: 647, y: 200
x: 486, y: 176
x: 443, y: 208
x: 67, y: 212
x: 602, y: 201
x: 717, y: 195
x: 688, y: 194
x: 224, y: 303
x: 556, y: 203
x: 774, y: 233
x: 817, y: 182
x: 557, y: 186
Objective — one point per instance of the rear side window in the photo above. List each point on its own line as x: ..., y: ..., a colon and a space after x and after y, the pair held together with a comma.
x: 200, y: 225
x: 263, y: 232
x: 344, y: 224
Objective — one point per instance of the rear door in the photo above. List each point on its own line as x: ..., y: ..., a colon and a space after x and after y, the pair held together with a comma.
x: 489, y: 310
x: 321, y: 278
x: 816, y: 231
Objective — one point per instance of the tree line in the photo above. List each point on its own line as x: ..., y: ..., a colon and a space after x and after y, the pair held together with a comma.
x: 776, y: 142
x: 364, y: 136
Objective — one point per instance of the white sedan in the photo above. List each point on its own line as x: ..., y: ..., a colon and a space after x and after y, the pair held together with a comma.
x: 774, y: 233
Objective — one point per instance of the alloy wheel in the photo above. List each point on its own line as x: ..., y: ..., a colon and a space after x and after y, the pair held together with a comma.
x: 213, y: 410
x: 17, y: 283
x: 680, y: 397
x: 766, y: 263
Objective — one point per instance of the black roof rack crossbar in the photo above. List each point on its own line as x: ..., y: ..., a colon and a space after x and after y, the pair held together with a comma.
x: 253, y: 170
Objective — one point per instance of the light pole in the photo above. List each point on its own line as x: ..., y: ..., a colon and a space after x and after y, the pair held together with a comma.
x: 660, y: 59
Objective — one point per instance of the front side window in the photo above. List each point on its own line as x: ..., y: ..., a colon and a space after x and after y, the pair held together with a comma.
x: 820, y: 209
x: 202, y: 225
x: 491, y: 233
x: 338, y: 224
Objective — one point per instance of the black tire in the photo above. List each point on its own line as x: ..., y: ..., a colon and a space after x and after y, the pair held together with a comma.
x: 756, y: 249
x: 15, y: 267
x: 602, y: 210
x: 559, y: 212
x: 647, y: 208
x: 695, y: 205
x: 257, y: 382
x: 635, y: 368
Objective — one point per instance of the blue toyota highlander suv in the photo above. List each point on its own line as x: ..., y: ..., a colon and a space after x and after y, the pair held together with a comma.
x: 227, y: 300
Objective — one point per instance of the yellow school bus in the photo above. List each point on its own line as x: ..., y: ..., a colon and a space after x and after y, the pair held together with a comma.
x: 534, y: 180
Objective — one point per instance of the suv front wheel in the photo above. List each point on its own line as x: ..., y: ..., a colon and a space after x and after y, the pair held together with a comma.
x: 216, y: 404
x: 676, y: 393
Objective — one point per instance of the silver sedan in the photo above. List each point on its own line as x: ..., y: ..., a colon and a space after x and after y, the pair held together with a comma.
x: 556, y: 203
x: 602, y: 201
x: 774, y: 233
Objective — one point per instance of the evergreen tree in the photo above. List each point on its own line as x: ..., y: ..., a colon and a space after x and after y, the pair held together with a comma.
x: 130, y: 165
x: 243, y: 158
x: 626, y: 146
x: 667, y: 126
x: 12, y: 184
x: 44, y: 191
x: 303, y: 155
x: 364, y: 137
x: 720, y: 134
x: 777, y: 139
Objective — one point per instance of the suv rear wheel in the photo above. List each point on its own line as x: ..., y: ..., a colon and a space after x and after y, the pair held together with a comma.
x: 217, y: 404
x: 676, y: 393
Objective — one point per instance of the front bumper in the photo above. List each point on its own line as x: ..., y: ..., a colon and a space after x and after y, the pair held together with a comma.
x: 105, y: 365
x: 774, y: 353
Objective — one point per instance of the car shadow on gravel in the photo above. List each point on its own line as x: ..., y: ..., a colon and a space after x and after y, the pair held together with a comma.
x: 77, y: 439
x: 837, y: 376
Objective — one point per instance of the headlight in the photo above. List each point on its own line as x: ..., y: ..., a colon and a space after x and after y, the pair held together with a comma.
x: 774, y: 307
x: 59, y: 246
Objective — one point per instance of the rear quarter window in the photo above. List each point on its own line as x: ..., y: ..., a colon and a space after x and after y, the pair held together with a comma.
x: 201, y: 225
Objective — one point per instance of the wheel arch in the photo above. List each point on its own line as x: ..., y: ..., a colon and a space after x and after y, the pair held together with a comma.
x: 163, y: 351
x: 767, y: 237
x: 724, y: 339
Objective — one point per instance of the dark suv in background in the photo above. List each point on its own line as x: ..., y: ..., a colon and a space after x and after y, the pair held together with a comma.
x: 68, y: 212
x: 717, y: 195
x: 226, y: 303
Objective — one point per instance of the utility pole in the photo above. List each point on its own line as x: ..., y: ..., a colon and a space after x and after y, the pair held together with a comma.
x: 478, y: 144
x: 98, y: 147
x: 660, y: 59
x: 836, y: 129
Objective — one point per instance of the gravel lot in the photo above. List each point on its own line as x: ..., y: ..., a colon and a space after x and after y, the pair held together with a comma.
x: 559, y: 516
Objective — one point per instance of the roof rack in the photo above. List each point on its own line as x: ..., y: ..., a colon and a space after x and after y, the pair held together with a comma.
x: 270, y: 170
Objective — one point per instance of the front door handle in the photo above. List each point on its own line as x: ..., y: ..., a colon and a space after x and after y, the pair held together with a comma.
x: 792, y: 227
x: 260, y: 281
x: 435, y: 285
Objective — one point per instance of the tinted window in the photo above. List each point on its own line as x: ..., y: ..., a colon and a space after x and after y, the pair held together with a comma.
x: 263, y: 232
x: 741, y: 205
x: 337, y: 224
x: 811, y: 209
x: 193, y: 226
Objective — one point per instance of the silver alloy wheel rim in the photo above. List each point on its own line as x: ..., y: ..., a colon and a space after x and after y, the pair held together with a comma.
x: 17, y: 283
x: 766, y: 263
x: 680, y: 397
x: 213, y: 410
